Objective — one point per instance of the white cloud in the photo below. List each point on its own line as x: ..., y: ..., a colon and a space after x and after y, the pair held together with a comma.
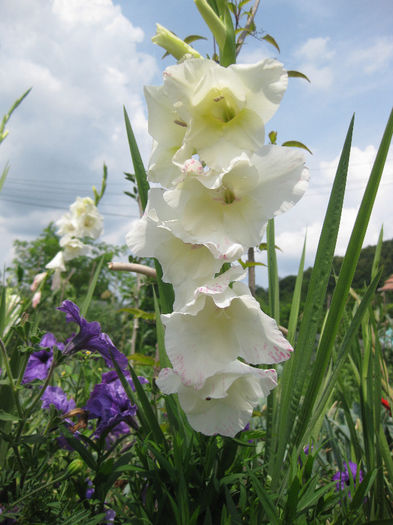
x: 373, y: 58
x: 316, y: 50
x: 82, y: 59
x: 316, y: 56
x: 308, y: 215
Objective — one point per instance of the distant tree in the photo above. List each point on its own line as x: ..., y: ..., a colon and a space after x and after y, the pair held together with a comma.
x: 114, y: 290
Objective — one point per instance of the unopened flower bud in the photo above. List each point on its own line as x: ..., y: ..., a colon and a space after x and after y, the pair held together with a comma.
x: 192, y: 167
x: 173, y: 44
x: 75, y: 467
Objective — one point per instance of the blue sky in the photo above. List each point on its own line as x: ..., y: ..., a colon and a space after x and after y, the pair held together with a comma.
x: 86, y: 58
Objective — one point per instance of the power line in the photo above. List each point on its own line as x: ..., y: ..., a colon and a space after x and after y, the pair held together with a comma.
x: 41, y: 205
x: 66, y: 204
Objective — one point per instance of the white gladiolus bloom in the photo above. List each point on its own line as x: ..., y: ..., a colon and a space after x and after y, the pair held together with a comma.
x: 227, y: 211
x: 221, y: 324
x: 82, y: 220
x: 220, y: 111
x: 186, y: 266
x: 86, y: 217
x: 81, y: 206
x: 225, y: 403
x: 73, y: 247
x: 168, y: 136
x: 57, y: 263
x: 67, y: 225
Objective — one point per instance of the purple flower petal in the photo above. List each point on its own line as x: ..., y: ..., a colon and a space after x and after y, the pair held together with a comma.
x: 343, y: 477
x: 90, y: 337
x: 55, y: 396
x: 49, y: 341
x: 38, y: 366
x: 110, y: 404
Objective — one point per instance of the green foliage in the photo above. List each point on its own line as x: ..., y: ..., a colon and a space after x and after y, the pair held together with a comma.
x: 360, y: 279
x: 325, y: 411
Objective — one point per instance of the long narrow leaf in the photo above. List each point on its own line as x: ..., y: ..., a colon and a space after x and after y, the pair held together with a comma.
x: 140, y: 173
x: 295, y: 305
x: 147, y: 409
x: 293, y: 380
x: 265, y: 500
x: 342, y: 353
x: 4, y: 176
x: 7, y: 116
x: 92, y: 287
x: 377, y: 255
x: 346, y: 274
x: 165, y: 289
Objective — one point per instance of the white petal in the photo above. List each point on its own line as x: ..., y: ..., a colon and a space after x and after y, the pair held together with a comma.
x: 73, y: 247
x: 217, y: 328
x: 231, y: 215
x: 223, y: 110
x: 163, y: 117
x: 186, y: 266
x: 266, y: 81
x: 57, y: 263
x: 225, y: 403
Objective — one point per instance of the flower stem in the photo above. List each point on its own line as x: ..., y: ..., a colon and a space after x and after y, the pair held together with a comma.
x: 11, y: 379
x: 38, y: 489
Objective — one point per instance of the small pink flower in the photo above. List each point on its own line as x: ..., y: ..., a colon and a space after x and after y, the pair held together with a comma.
x: 38, y: 280
x: 36, y: 299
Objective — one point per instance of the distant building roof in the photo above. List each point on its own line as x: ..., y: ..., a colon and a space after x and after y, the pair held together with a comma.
x: 387, y: 285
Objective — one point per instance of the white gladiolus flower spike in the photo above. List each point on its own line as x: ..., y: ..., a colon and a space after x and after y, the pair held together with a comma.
x: 221, y: 324
x: 225, y: 403
x: 220, y: 111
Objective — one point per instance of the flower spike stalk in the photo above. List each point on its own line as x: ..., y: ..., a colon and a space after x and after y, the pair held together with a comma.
x: 215, y: 24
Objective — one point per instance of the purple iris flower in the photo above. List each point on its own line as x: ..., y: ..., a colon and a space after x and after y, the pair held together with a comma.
x: 110, y: 516
x: 49, y: 341
x: 111, y: 376
x: 343, y: 477
x: 90, y: 337
x: 109, y: 402
x: 90, y: 489
x: 55, y: 396
x: 40, y: 362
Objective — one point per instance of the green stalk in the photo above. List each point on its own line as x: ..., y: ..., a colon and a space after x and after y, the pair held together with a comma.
x: 14, y: 392
x: 274, y: 293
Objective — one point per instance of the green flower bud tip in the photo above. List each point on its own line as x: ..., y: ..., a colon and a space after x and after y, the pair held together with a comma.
x: 173, y: 44
x: 75, y: 467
